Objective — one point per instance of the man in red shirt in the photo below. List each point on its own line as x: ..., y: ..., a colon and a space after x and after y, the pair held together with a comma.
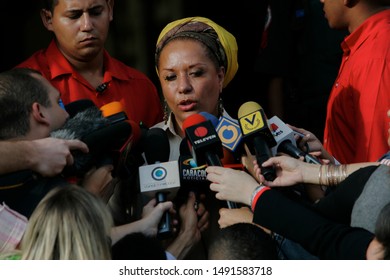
x: 77, y: 64
x: 356, y: 123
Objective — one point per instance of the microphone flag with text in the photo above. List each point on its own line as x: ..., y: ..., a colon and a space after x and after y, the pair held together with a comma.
x: 192, y: 176
x: 229, y: 133
x: 257, y: 135
x: 204, y: 143
x: 286, y: 143
x: 160, y: 178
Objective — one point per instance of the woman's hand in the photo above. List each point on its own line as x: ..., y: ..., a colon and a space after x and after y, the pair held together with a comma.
x: 194, y: 220
x: 230, y: 184
x: 289, y: 171
x: 152, y: 214
x: 309, y: 143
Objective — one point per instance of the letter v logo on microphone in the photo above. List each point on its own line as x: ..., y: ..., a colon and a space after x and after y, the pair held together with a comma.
x: 251, y: 122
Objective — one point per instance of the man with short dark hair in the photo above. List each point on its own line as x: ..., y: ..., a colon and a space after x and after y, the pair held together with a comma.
x: 78, y: 65
x: 30, y: 111
x: 243, y: 241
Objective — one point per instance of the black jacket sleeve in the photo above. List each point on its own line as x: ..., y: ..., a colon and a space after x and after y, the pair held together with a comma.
x: 338, y: 204
x: 320, y: 236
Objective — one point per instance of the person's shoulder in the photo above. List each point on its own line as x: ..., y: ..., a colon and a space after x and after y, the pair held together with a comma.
x: 119, y: 67
x: 36, y: 61
x: 162, y: 125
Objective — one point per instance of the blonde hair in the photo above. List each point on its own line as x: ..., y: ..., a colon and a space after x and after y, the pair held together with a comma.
x: 68, y: 224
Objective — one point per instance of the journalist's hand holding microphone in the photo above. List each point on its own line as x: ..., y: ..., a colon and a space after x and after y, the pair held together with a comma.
x: 49, y: 155
x: 230, y: 184
x: 289, y: 171
x: 151, y: 216
x: 309, y: 143
x: 193, y: 223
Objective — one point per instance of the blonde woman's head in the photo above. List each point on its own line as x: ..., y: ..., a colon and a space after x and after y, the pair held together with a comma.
x: 68, y: 224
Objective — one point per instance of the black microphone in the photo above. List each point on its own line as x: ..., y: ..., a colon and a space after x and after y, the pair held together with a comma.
x: 286, y: 143
x: 101, y: 136
x: 210, y: 117
x: 78, y: 106
x: 257, y: 135
x: 190, y: 172
x: 160, y: 177
x: 204, y: 143
x: 192, y: 177
x: 156, y: 146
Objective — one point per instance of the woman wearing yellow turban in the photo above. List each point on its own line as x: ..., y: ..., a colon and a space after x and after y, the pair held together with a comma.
x: 195, y: 59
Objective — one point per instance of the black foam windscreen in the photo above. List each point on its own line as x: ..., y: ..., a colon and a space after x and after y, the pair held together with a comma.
x: 81, y: 124
x: 156, y: 146
x: 110, y: 138
x: 78, y: 106
x: 98, y: 133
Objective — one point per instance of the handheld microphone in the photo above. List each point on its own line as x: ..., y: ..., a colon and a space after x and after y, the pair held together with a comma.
x: 101, y: 137
x: 160, y: 177
x: 114, y: 112
x: 210, y: 117
x: 190, y: 172
x: 78, y: 106
x: 204, y: 143
x: 257, y: 135
x: 156, y: 145
x: 229, y: 133
x: 286, y: 143
x: 192, y: 177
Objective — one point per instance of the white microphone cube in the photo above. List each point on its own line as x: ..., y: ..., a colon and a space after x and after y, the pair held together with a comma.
x: 159, y: 177
x: 281, y: 132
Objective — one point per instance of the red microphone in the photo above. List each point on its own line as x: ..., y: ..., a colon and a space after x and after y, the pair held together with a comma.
x: 204, y: 143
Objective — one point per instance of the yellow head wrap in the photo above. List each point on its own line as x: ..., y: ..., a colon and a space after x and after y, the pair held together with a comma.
x: 227, y: 55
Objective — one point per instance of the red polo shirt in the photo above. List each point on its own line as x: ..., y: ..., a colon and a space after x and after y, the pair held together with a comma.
x: 132, y: 88
x: 356, y: 123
